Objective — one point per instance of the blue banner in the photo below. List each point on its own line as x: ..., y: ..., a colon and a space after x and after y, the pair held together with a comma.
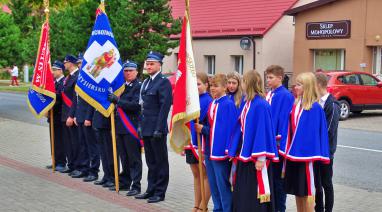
x: 39, y: 103
x: 101, y: 71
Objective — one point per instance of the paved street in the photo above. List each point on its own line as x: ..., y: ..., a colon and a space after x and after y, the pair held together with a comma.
x: 27, y: 186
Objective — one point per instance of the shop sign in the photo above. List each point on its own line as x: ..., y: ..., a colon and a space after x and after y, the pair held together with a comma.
x: 328, y: 30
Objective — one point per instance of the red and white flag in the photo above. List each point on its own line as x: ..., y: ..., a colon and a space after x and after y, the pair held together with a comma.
x: 185, y: 97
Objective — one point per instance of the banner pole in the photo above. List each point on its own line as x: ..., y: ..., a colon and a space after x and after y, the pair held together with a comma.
x: 52, y: 141
x: 201, y: 173
x: 116, y: 176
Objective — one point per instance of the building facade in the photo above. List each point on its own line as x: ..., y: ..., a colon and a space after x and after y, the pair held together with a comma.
x: 220, y: 27
x: 338, y: 35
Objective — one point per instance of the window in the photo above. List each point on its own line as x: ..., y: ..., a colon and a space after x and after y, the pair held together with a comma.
x: 210, y: 64
x: 329, y: 59
x: 238, y: 63
x: 351, y: 79
x: 368, y: 80
x: 377, y: 61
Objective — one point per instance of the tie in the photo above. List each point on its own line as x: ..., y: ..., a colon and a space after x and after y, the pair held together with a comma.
x: 148, y: 83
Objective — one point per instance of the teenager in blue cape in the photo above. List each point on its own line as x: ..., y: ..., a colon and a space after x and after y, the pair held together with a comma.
x: 222, y: 114
x: 235, y: 91
x: 307, y: 142
x: 191, y: 151
x: 281, y: 101
x: 254, y: 147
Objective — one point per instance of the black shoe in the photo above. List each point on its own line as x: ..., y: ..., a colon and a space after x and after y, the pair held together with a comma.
x: 73, y: 172
x: 90, y: 178
x: 132, y: 193
x: 66, y: 170
x: 49, y: 167
x: 100, y: 182
x: 79, y: 175
x: 108, y: 184
x: 143, y: 196
x: 121, y: 188
x: 155, y: 199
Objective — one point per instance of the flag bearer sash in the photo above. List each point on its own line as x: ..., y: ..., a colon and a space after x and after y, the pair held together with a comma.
x: 129, y: 126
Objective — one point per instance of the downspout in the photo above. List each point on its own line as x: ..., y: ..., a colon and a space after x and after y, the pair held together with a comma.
x: 254, y: 52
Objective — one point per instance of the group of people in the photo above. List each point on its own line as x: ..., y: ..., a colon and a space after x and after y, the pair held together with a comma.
x: 258, y: 147
x: 83, y: 136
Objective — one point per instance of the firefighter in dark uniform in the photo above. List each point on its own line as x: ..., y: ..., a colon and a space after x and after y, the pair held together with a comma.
x: 101, y: 126
x: 69, y: 99
x: 129, y: 146
x: 88, y: 155
x: 59, y: 148
x: 156, y: 100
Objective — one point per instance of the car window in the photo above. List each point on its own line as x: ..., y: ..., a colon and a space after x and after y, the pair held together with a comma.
x: 368, y: 80
x: 350, y: 79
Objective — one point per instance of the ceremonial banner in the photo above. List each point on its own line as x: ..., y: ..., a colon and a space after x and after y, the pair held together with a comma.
x: 101, y: 71
x: 186, y: 97
x: 42, y: 94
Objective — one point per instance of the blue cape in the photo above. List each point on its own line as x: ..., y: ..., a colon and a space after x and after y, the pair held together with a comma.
x: 258, y: 138
x: 310, y: 141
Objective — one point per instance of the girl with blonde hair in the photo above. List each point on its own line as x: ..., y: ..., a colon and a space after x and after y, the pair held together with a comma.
x: 253, y: 148
x: 306, y: 143
x: 234, y: 89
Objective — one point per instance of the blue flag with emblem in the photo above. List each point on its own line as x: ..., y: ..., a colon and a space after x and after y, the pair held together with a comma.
x: 101, y: 70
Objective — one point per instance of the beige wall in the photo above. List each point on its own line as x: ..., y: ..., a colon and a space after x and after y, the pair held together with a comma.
x: 365, y: 19
x: 221, y: 48
x: 276, y: 47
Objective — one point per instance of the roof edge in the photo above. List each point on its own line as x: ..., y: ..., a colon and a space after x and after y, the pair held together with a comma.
x: 305, y: 7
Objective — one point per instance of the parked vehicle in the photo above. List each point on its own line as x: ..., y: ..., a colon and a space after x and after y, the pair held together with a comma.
x: 355, y: 91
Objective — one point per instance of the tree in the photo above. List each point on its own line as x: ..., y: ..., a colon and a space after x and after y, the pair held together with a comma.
x: 140, y: 26
x: 71, y: 28
x: 9, y: 41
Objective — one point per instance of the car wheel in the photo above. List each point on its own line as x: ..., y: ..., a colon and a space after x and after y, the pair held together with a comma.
x: 345, y: 109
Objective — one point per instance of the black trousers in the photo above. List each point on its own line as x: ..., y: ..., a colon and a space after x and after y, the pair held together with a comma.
x: 103, y: 137
x: 93, y: 158
x: 59, y: 145
x: 70, y: 136
x: 129, y: 150
x: 157, y: 163
x: 325, y: 173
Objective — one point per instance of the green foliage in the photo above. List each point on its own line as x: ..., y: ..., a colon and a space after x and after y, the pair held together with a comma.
x: 138, y: 26
x: 9, y: 41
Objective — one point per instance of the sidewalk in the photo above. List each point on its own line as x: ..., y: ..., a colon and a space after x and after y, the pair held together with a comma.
x: 27, y: 186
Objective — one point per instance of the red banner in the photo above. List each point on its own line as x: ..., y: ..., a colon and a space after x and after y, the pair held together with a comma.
x: 42, y: 76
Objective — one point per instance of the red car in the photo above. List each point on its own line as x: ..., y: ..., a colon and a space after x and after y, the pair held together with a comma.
x: 355, y: 91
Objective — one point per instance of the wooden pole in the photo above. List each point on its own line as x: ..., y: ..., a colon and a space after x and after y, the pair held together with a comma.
x: 52, y: 140
x: 201, y: 173
x: 116, y: 176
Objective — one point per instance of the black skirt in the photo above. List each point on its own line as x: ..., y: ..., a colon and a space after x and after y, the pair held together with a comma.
x: 245, y: 189
x: 296, y: 179
x: 190, y: 157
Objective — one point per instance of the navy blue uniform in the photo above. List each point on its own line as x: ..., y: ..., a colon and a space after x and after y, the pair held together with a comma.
x: 101, y: 126
x: 59, y: 146
x: 156, y: 102
x: 70, y: 134
x: 87, y: 152
x: 129, y: 148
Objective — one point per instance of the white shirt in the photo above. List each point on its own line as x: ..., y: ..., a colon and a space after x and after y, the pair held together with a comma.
x: 74, y: 71
x: 58, y: 79
x: 323, y: 99
x: 15, y: 71
x: 152, y: 77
